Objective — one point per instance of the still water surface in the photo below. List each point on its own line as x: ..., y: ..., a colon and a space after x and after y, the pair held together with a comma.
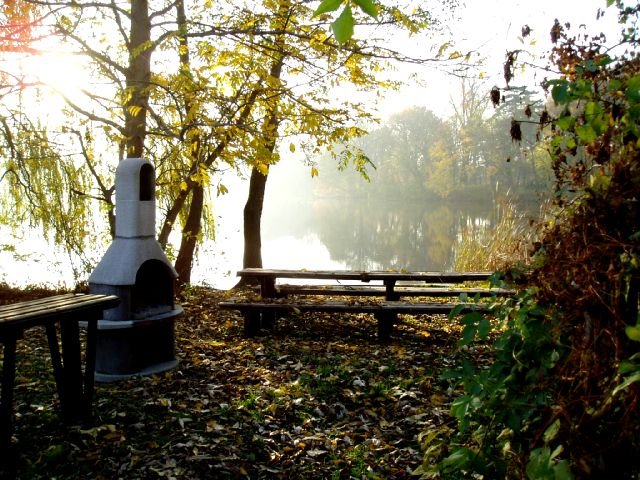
x: 317, y: 233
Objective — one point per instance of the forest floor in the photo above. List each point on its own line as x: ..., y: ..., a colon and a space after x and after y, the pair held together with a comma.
x: 319, y: 397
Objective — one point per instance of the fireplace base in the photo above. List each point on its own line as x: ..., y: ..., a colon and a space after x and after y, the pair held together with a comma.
x: 139, y: 347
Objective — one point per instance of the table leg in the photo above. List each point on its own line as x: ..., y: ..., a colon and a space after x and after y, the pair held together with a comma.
x: 6, y: 404
x: 390, y: 294
x: 267, y: 292
x: 90, y: 365
x: 71, y: 401
x: 268, y: 287
x: 251, y: 324
x: 385, y: 325
x: 56, y: 360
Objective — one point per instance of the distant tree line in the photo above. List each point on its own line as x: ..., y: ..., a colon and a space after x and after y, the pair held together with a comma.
x: 417, y: 154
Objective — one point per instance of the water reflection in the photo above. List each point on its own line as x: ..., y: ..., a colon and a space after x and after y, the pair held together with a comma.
x: 394, y: 235
x: 323, y: 234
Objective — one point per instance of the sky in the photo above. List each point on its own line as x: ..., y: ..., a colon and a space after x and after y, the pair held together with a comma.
x: 491, y: 28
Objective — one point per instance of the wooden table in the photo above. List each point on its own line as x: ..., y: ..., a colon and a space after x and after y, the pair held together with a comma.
x: 268, y: 278
x: 263, y: 313
x: 75, y: 389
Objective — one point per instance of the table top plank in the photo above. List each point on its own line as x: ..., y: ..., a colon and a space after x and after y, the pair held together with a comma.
x: 365, y: 276
x: 32, y: 312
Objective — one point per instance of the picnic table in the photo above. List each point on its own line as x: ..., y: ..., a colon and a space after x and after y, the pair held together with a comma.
x: 269, y: 277
x: 75, y: 389
x: 391, y: 287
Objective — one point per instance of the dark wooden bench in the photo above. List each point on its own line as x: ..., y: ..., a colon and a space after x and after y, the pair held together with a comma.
x: 385, y: 312
x: 75, y: 389
x: 285, y: 290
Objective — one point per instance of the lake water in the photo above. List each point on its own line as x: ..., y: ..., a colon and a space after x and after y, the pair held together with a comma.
x: 319, y: 233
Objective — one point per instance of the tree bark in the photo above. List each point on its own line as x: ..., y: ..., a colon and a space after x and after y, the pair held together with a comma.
x: 138, y: 76
x: 193, y: 223
x: 190, y: 234
x: 252, y: 220
x: 257, y: 184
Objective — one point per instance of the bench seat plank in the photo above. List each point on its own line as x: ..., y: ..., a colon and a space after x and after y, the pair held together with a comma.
x: 402, y: 291
x: 347, y: 307
x: 385, y: 311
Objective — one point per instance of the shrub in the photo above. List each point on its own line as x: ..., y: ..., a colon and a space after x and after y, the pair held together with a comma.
x: 561, y: 397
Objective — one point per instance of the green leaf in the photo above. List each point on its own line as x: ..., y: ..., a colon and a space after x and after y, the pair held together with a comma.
x: 468, y: 334
x: 484, y: 328
x: 458, y: 458
x: 627, y: 366
x: 460, y: 406
x: 566, y: 122
x: 633, y: 332
x: 633, y: 88
x: 539, y: 465
x: 628, y: 381
x: 590, y: 66
x: 368, y: 7
x: 343, y: 25
x: 472, y: 322
x: 562, y: 471
x: 592, y: 110
x: 327, y: 6
x: 586, y: 133
x: 604, y: 61
x: 551, y: 432
x: 455, y: 311
x: 560, y: 93
x: 614, y: 85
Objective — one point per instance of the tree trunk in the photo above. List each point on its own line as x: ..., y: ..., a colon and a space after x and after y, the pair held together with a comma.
x: 252, y: 218
x: 138, y: 76
x: 190, y: 234
x: 257, y: 184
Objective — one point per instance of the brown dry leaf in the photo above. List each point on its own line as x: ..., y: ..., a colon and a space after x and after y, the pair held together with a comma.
x: 317, y: 397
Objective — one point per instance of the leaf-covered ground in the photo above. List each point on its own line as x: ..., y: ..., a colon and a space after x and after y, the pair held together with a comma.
x: 319, y: 397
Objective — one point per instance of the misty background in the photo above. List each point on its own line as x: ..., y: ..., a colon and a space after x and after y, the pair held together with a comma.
x: 441, y: 159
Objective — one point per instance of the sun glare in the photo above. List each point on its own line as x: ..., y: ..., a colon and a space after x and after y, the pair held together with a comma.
x: 49, y: 78
x: 61, y: 72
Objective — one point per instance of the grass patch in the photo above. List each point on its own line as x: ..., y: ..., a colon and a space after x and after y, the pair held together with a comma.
x: 493, y: 248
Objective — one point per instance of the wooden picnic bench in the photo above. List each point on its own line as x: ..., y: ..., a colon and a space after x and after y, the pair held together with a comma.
x: 268, y: 278
x: 75, y: 389
x: 274, y: 297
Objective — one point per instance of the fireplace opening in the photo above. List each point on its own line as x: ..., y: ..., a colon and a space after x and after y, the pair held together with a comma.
x: 153, y: 291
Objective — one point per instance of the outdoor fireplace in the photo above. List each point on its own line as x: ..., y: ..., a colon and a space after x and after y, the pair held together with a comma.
x: 137, y: 336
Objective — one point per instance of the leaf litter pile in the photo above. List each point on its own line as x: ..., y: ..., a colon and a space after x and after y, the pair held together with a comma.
x: 318, y: 397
